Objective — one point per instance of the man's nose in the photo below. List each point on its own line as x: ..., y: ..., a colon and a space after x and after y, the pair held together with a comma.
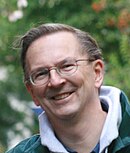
x: 55, y: 79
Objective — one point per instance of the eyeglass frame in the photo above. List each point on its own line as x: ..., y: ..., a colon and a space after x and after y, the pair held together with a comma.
x: 57, y: 68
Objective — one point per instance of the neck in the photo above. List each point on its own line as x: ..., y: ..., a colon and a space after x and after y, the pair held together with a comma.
x: 82, y: 131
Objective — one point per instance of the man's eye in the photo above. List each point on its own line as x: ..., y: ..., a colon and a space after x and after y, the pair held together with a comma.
x: 40, y: 75
x: 67, y: 67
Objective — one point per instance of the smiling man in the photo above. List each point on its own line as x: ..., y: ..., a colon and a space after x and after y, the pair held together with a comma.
x: 63, y: 72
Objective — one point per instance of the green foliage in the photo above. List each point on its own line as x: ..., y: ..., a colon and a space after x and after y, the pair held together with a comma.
x: 107, y: 21
x: 118, y: 70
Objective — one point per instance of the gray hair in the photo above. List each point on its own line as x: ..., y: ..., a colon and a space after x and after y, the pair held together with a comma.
x: 88, y: 44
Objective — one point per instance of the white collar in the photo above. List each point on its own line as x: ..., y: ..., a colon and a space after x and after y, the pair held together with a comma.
x: 48, y: 137
x: 111, y: 95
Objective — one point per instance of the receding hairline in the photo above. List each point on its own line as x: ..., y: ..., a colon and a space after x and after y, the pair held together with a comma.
x: 59, y: 34
x: 48, y: 29
x: 85, y: 40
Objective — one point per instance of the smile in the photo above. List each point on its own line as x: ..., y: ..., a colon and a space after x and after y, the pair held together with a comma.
x: 62, y: 96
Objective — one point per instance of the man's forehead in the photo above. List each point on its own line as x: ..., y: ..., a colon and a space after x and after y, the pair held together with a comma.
x: 59, y: 35
x: 55, y: 40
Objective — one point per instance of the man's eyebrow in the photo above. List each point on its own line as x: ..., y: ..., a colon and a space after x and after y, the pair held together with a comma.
x: 38, y: 69
x: 65, y: 60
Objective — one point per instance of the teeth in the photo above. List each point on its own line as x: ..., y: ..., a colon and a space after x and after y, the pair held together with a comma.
x: 61, y: 96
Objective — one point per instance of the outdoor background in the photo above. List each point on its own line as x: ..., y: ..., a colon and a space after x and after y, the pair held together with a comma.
x: 107, y: 20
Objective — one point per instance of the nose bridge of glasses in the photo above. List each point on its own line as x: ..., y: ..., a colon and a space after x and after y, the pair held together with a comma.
x: 54, y: 68
x: 55, y: 77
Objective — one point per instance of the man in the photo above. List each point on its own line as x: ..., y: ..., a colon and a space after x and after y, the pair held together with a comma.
x: 64, y: 71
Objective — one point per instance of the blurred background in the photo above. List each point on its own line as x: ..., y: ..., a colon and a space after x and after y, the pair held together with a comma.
x: 106, y: 20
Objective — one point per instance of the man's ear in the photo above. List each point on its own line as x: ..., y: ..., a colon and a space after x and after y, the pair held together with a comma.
x: 99, y: 72
x: 30, y: 90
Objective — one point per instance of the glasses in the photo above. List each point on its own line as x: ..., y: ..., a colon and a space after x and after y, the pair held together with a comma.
x: 64, y: 68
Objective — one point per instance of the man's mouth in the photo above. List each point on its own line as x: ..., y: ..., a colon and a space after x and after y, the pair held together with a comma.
x: 62, y: 96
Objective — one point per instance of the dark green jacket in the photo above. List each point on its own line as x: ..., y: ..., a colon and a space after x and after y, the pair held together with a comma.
x: 119, y: 145
x: 122, y: 143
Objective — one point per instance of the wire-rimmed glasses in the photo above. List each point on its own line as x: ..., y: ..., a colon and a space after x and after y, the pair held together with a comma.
x: 64, y: 68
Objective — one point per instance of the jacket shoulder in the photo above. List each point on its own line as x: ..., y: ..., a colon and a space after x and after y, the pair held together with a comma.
x: 29, y: 145
x: 122, y: 143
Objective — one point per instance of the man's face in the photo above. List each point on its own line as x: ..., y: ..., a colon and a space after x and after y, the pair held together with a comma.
x: 63, y: 96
